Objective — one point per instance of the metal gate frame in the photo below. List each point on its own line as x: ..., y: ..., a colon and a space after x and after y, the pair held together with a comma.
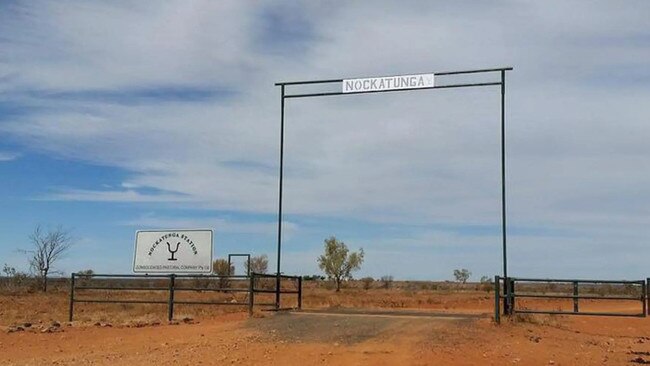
x: 501, y: 83
x: 248, y: 260
x: 172, y: 288
x: 510, y: 286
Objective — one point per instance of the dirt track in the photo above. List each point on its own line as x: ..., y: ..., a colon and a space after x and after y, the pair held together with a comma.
x: 341, y: 338
x: 306, y: 339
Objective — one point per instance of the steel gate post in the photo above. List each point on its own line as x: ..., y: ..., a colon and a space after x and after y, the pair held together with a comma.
x: 644, y: 296
x: 575, y: 297
x: 251, y: 291
x: 299, y: 292
x: 277, y: 281
x: 506, y: 296
x: 170, y: 304
x: 71, y: 309
x: 512, y: 295
x: 497, y: 300
x: 508, y: 305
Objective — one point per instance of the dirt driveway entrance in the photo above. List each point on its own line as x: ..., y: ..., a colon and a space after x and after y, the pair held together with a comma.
x: 340, y: 339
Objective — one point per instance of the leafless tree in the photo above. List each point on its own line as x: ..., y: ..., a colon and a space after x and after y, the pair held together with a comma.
x: 47, y: 248
x: 259, y: 264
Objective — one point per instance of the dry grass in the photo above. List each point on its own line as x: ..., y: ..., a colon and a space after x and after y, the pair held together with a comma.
x: 475, y: 301
x: 34, y: 307
x: 25, y: 306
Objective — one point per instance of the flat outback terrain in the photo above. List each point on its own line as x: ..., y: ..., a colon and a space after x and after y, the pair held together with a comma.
x: 354, y: 327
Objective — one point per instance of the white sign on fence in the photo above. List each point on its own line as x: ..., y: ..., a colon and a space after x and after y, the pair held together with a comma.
x: 173, y: 251
x: 388, y: 83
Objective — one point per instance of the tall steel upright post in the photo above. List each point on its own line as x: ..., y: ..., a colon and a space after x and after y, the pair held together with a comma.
x: 507, y: 289
x: 277, y: 279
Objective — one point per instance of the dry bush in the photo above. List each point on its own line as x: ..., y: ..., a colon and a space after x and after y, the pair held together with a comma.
x: 222, y: 268
x: 367, y: 282
x: 386, y: 281
x: 551, y: 320
x: 486, y: 284
x: 15, y: 281
x: 202, y: 282
x: 258, y: 264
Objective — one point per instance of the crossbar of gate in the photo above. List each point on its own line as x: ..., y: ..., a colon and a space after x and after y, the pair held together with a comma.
x: 168, y: 283
x: 511, y: 284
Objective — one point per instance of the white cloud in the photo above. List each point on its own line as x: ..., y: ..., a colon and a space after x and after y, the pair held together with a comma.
x: 8, y: 155
x: 111, y: 196
x: 220, y: 224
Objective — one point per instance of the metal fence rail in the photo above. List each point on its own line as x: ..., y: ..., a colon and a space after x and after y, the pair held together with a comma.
x: 168, y: 284
x: 515, y: 288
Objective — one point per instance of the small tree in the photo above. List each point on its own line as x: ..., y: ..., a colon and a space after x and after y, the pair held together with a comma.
x: 259, y: 264
x: 85, y: 275
x: 220, y: 267
x: 313, y: 277
x: 462, y: 275
x: 47, y: 248
x: 8, y: 271
x: 337, y: 262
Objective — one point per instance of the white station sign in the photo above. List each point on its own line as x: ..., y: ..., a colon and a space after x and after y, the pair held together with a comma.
x: 388, y: 83
x: 173, y: 251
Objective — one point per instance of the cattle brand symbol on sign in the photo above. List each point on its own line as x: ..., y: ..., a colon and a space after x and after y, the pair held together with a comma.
x: 173, y: 251
x: 418, y: 81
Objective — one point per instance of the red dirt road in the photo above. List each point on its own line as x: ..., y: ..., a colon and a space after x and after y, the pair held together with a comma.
x: 310, y: 339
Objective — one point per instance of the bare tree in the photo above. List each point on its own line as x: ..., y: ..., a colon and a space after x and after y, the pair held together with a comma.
x: 47, y: 248
x: 259, y: 264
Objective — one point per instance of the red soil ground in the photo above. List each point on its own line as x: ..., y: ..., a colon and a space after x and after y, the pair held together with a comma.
x: 215, y: 338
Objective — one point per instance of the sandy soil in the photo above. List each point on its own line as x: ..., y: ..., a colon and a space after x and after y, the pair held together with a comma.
x: 327, y: 338
x: 308, y: 339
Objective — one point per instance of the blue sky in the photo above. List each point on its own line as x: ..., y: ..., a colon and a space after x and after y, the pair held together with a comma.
x: 118, y: 116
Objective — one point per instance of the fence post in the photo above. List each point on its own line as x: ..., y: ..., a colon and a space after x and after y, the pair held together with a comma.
x: 511, y: 294
x: 278, y: 285
x: 71, y: 309
x: 644, y: 297
x: 497, y: 300
x: 170, y: 305
x: 251, y: 294
x: 299, y: 292
x: 575, y: 297
x: 505, y: 296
